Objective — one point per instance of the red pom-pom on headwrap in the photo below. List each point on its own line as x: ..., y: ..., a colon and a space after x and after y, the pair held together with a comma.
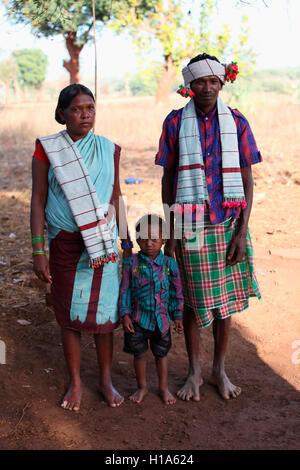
x: 185, y: 92
x: 231, y: 71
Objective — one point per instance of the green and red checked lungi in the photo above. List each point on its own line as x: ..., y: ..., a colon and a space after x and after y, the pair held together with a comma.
x: 212, y: 288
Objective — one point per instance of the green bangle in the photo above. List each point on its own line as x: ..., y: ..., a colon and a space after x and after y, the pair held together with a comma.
x: 38, y: 252
x: 37, y: 239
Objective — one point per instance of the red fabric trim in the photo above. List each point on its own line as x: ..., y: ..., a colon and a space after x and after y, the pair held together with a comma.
x: 231, y: 170
x: 40, y: 153
x: 190, y: 167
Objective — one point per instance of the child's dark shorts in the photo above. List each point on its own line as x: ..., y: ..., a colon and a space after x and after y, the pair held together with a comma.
x: 137, y: 343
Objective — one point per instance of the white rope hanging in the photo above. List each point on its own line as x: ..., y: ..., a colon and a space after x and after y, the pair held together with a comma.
x: 95, y: 49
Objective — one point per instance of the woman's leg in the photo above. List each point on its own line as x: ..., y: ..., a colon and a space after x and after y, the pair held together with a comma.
x: 140, y: 363
x: 71, y: 346
x: 104, y: 347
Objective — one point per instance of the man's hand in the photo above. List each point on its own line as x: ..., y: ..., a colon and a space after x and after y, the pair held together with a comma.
x: 127, y: 324
x: 237, y: 250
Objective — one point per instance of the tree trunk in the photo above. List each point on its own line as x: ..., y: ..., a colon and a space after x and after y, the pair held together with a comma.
x: 72, y: 66
x: 165, y: 81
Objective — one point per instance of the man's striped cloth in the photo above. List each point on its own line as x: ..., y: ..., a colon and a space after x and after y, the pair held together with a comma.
x: 212, y: 288
x: 191, y: 186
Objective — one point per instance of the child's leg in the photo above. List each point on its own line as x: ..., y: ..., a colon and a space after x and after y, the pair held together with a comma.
x: 162, y: 372
x: 140, y: 373
x: 71, y: 345
x: 160, y: 346
x: 104, y: 347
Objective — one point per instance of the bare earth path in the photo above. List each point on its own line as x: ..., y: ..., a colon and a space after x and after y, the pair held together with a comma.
x: 262, y: 357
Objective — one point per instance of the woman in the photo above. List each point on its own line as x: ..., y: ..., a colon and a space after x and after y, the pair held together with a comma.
x: 76, y: 192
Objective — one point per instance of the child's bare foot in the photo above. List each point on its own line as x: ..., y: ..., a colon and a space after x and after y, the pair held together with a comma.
x: 72, y: 398
x: 167, y: 397
x: 111, y: 396
x: 139, y: 395
x: 190, y: 389
x: 226, y: 389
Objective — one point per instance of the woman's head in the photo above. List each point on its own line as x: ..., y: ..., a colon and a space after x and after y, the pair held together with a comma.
x: 76, y: 109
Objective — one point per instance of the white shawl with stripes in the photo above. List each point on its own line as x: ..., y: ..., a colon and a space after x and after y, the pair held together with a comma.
x: 74, y: 179
x: 191, y: 184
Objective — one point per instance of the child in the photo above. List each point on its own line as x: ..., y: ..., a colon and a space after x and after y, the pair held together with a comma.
x: 150, y: 296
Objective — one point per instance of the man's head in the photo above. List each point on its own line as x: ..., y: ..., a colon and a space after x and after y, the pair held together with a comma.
x: 205, y: 76
x: 150, y: 234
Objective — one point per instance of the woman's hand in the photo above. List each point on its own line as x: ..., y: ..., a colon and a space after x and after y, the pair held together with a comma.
x: 127, y: 324
x: 41, y: 268
x: 127, y: 252
x: 170, y: 248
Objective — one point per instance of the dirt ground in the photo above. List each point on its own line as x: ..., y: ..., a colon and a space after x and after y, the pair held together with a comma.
x: 263, y: 356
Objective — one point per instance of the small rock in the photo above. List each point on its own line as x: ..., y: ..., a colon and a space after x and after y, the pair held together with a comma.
x: 12, y: 235
x: 24, y: 322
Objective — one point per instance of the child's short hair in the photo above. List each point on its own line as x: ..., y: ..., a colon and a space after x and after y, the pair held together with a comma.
x: 157, y: 224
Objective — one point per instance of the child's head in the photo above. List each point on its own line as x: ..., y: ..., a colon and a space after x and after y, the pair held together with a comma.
x: 150, y: 233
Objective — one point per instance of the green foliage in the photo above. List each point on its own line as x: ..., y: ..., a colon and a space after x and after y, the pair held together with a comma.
x: 32, y: 65
x: 145, y: 82
x: 51, y: 17
x: 181, y: 33
x: 9, y: 71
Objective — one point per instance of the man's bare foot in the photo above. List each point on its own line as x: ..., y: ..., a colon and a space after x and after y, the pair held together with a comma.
x: 139, y: 395
x: 72, y: 398
x: 167, y: 397
x: 111, y: 396
x: 226, y: 389
x: 190, y: 390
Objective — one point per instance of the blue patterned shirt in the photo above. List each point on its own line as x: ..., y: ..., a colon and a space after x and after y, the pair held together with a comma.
x: 150, y: 291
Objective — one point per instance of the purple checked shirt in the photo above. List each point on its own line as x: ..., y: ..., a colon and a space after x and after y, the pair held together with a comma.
x: 150, y: 291
x: 168, y: 154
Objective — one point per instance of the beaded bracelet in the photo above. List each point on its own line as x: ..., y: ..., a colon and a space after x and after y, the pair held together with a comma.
x: 38, y: 252
x: 38, y: 238
x: 126, y: 245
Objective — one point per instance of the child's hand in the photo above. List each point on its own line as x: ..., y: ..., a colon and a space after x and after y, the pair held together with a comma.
x: 178, y: 326
x: 127, y: 324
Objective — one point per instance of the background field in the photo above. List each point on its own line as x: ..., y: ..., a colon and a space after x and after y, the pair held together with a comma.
x: 262, y: 356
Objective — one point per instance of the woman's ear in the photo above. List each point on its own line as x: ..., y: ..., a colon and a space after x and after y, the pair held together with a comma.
x: 60, y: 115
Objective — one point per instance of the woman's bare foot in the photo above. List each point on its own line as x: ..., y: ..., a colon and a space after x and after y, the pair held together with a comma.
x: 72, y: 398
x: 190, y: 389
x: 226, y: 389
x: 167, y: 397
x: 139, y: 395
x: 111, y: 396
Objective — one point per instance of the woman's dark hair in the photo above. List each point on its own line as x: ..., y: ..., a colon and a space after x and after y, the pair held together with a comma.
x: 67, y: 94
x: 202, y: 57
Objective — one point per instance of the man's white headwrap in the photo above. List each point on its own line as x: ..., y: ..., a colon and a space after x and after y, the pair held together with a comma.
x: 203, y: 68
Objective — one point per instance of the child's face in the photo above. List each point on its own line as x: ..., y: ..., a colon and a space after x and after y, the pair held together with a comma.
x: 150, y: 245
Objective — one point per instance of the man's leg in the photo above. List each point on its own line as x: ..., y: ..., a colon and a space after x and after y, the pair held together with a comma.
x: 190, y: 390
x: 221, y: 331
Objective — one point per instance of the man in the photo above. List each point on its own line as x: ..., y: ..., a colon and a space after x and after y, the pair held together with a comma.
x: 207, y: 150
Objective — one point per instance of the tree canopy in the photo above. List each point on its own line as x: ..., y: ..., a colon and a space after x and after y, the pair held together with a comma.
x: 179, y: 32
x: 32, y: 65
x: 72, y: 19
